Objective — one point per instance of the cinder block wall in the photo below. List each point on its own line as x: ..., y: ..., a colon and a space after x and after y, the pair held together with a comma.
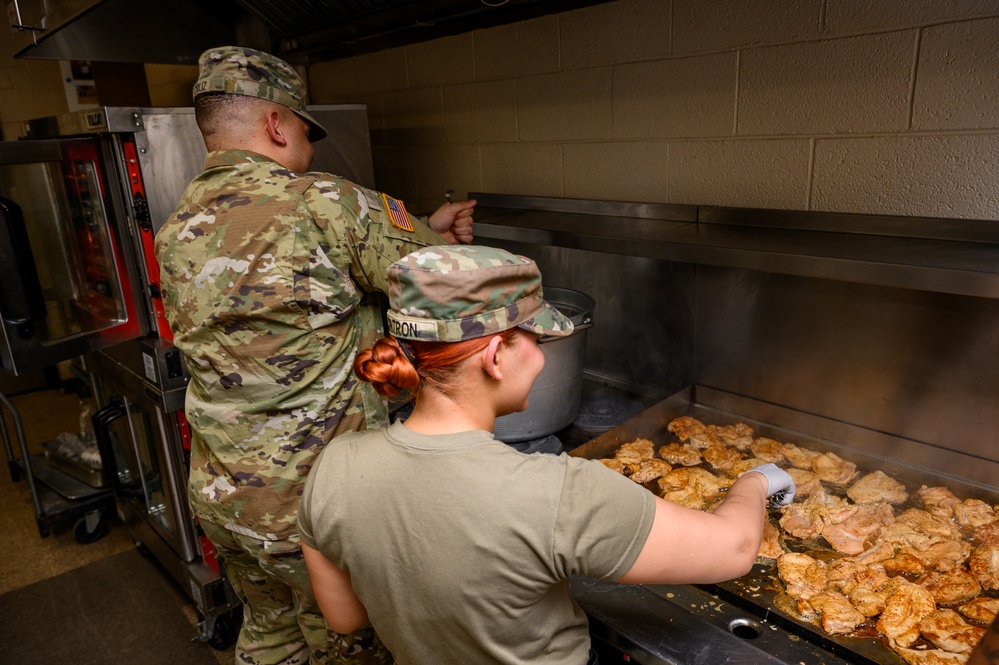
x: 28, y: 89
x: 885, y: 107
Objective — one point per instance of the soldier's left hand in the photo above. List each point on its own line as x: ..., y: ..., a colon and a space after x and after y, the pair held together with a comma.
x: 453, y: 221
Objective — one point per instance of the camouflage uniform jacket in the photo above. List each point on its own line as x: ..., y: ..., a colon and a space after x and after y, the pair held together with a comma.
x: 267, y: 278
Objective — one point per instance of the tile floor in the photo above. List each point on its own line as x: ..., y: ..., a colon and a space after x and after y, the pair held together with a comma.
x: 29, y: 558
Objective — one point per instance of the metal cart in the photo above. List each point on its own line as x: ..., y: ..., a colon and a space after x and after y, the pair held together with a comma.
x: 59, y: 497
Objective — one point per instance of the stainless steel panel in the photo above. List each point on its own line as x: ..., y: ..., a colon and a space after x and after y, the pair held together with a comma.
x: 171, y: 154
x: 918, y: 365
x: 642, y: 336
x: 346, y: 151
x: 174, y: 32
x: 925, y: 253
x: 685, y: 625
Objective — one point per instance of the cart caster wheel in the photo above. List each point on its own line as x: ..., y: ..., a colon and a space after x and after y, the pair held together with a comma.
x: 141, y: 548
x: 90, y: 528
x: 225, y: 633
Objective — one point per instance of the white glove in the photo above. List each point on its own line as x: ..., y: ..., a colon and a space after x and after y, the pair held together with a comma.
x: 780, y: 485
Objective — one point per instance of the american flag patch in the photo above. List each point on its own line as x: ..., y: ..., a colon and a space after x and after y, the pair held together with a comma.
x: 397, y: 213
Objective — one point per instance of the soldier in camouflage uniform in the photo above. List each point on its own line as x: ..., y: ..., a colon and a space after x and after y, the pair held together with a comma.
x: 268, y: 272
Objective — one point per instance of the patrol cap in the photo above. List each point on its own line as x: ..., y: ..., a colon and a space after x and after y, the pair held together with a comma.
x: 452, y: 293
x: 237, y: 70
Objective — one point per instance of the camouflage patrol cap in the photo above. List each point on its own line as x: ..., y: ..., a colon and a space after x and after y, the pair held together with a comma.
x: 452, y: 293
x: 237, y: 70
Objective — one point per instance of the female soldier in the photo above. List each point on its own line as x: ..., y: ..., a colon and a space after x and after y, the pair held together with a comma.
x: 457, y: 547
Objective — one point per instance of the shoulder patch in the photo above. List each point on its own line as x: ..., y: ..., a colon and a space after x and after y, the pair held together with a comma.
x: 397, y: 213
x: 374, y: 201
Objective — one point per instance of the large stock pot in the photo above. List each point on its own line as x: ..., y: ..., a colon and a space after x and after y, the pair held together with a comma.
x: 553, y: 402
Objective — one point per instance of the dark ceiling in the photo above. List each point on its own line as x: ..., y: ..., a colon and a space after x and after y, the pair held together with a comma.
x: 301, y: 31
x: 329, y: 29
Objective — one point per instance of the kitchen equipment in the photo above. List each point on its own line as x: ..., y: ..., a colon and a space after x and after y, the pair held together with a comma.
x: 756, y: 600
x: 869, y: 336
x: 554, y: 399
x: 60, y: 494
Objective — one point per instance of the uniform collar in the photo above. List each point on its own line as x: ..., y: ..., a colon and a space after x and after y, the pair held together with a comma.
x: 233, y: 157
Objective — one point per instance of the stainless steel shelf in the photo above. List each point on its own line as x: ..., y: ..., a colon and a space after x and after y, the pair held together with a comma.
x: 930, y: 254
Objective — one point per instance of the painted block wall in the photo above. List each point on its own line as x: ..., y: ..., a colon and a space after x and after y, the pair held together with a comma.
x: 28, y: 89
x: 887, y: 107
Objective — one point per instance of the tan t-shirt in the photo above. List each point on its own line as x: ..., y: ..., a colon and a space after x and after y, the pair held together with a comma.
x: 461, y: 548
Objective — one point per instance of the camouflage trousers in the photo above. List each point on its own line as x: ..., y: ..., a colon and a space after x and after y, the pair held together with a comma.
x: 282, y: 624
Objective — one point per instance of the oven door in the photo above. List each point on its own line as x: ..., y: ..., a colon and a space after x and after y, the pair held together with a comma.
x: 142, y: 448
x: 67, y: 285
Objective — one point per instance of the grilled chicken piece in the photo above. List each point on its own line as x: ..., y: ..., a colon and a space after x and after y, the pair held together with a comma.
x: 905, y: 607
x: 982, y: 609
x: 805, y: 482
x: 905, y: 564
x: 973, y: 513
x: 682, y: 454
x: 984, y: 564
x: 702, y: 478
x: 721, y: 456
x: 868, y: 600
x: 876, y: 487
x: 988, y: 534
x: 926, y: 522
x: 744, y: 465
x: 879, y: 553
x: 938, y: 500
x: 850, y: 536
x: 930, y: 656
x: 803, y: 576
x: 770, y: 547
x: 650, y: 470
x: 739, y: 435
x: 933, y: 551
x: 800, y: 458
x: 768, y: 450
x: 847, y: 573
x: 839, y: 616
x: 808, y: 518
x: 832, y: 468
x: 684, y: 426
x: 946, y: 630
x: 692, y: 487
x: 613, y: 464
x: 704, y: 439
x: 636, y: 452
x: 802, y: 520
x: 945, y: 555
x: 956, y: 586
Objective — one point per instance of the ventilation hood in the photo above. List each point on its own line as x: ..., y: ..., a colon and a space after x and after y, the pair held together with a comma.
x: 301, y: 31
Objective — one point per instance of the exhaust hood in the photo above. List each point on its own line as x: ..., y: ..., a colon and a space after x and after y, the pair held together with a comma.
x: 301, y: 31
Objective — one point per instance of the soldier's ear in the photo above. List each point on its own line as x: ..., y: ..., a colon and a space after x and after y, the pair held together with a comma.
x: 490, y: 360
x: 275, y: 128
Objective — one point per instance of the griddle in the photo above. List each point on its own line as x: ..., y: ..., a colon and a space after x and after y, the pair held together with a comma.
x: 747, y: 616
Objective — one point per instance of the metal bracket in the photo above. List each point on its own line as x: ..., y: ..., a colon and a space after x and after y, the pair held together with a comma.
x: 14, y: 14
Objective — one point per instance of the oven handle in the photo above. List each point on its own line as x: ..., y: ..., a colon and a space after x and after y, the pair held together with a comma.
x: 22, y: 303
x: 102, y: 430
